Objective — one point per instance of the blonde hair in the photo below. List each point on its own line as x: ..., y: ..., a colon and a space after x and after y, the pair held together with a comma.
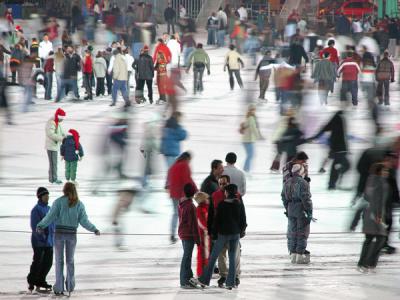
x: 71, y: 193
x: 201, y: 197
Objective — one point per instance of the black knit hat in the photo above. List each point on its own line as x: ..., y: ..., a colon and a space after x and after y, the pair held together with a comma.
x: 41, y: 192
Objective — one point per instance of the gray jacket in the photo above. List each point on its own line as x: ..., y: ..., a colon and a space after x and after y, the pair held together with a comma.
x: 376, y: 193
x: 296, y: 197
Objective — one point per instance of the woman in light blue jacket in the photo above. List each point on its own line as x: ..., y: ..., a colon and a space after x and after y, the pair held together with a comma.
x: 67, y: 212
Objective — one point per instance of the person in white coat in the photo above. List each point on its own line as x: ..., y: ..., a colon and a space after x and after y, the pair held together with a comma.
x: 129, y: 64
x: 175, y: 48
x: 100, y: 70
x: 45, y: 47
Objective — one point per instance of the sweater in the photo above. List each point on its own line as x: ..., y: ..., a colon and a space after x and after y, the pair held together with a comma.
x: 67, y: 219
x: 349, y: 70
x: 188, y: 228
x: 230, y: 218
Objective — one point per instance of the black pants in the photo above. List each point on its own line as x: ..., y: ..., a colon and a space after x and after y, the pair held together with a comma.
x: 88, y: 83
x: 340, y: 165
x: 41, y: 265
x: 109, y: 83
x: 170, y: 24
x: 238, y: 78
x: 382, y: 91
x: 370, y: 250
x: 100, y: 88
x: 140, y: 88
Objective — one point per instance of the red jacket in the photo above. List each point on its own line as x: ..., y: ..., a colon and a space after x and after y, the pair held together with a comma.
x: 349, y: 69
x: 162, y: 48
x: 333, y: 54
x: 87, y: 65
x: 49, y: 65
x: 188, y: 228
x: 204, y: 248
x: 178, y: 175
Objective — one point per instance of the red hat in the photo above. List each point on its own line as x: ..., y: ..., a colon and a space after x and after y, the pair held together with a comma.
x: 75, y: 135
x: 18, y: 28
x: 146, y: 48
x: 60, y: 114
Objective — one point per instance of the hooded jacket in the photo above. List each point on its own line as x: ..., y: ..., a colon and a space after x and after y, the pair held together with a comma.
x: 188, y: 228
x: 178, y: 175
x: 172, y: 135
x: 68, y: 149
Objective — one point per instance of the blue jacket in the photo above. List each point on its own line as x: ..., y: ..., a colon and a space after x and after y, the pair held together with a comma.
x: 68, y: 149
x: 67, y: 218
x: 172, y: 135
x: 41, y: 239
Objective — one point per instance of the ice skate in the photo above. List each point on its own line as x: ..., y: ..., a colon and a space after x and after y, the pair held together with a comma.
x: 303, y: 259
x: 43, y: 287
x: 196, y: 282
x: 362, y: 269
x: 293, y: 257
x: 221, y: 281
x: 31, y: 287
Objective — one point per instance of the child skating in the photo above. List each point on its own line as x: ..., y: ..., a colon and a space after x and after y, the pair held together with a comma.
x: 71, y: 152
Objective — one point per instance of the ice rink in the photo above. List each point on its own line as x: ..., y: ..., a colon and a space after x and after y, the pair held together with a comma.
x: 149, y: 268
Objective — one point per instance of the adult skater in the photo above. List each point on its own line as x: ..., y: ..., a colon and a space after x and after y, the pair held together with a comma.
x: 201, y: 61
x: 236, y: 176
x: 264, y: 70
x: 67, y: 212
x: 54, y: 135
x: 42, y: 243
x: 210, y: 184
x: 233, y: 61
x: 301, y: 158
x: 296, y: 198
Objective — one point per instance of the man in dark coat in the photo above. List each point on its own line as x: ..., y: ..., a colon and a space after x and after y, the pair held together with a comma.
x: 343, y: 25
x: 169, y: 16
x: 296, y: 53
x: 144, y: 72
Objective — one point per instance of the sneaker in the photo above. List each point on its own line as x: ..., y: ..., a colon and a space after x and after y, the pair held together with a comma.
x: 221, y: 281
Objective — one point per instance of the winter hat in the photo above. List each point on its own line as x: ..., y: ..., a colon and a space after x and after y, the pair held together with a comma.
x: 41, y: 192
x: 75, y: 135
x: 18, y: 28
x: 201, y: 197
x: 146, y: 48
x: 298, y: 169
x: 59, y: 115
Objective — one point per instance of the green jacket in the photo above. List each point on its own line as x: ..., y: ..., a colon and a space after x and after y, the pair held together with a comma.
x: 251, y: 132
x: 67, y: 218
x: 199, y: 56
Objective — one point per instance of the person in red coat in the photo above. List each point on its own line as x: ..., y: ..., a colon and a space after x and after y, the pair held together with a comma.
x: 204, y: 248
x: 48, y: 71
x: 87, y: 70
x: 333, y: 53
x: 179, y: 175
x: 161, y: 47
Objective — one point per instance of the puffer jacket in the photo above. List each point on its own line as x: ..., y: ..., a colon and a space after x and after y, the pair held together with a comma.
x: 385, y: 70
x: 172, y: 135
x: 54, y: 135
x: 296, y: 196
x: 68, y: 149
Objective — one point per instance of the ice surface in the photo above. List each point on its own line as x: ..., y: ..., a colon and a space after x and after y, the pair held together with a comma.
x: 149, y: 269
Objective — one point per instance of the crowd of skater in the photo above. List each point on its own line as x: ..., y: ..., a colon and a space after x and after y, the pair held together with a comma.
x: 217, y: 223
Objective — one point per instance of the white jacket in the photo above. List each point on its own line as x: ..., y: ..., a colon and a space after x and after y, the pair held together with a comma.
x: 129, y: 61
x: 54, y: 136
x: 45, y: 48
x: 175, y: 49
x: 100, y: 67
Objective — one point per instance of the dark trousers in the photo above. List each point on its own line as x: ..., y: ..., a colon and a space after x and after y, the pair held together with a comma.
x: 186, y: 264
x: 88, y: 83
x: 238, y: 78
x: 382, y: 92
x: 349, y: 86
x: 370, y: 250
x: 198, y: 72
x: 170, y: 24
x: 41, y: 265
x: 48, y: 85
x: 264, y: 83
x: 340, y: 165
x: 100, y: 88
x: 140, y: 88
x: 109, y: 83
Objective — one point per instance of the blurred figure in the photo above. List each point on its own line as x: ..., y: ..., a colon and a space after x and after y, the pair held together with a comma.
x: 4, y: 101
x: 26, y: 80
x: 212, y: 25
x: 144, y: 71
x: 264, y: 70
x: 374, y: 226
x: 149, y: 147
x: 222, y: 26
x: 188, y: 44
x: 107, y: 57
x: 252, y: 46
x: 324, y: 74
x: 333, y: 53
x: 169, y: 16
x: 100, y: 70
x: 49, y: 72
x: 17, y: 57
x: 45, y: 47
x: 59, y: 66
x: 200, y: 60
x: 179, y: 175
x: 129, y: 64
x: 296, y: 53
x: 69, y: 76
x: 367, y: 79
x: 393, y: 32
x: 384, y: 75
x: 233, y: 61
x: 239, y: 35
x: 175, y: 49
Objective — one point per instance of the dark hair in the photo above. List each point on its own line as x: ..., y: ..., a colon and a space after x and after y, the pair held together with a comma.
x: 301, y: 156
x: 227, y: 177
x: 185, y: 156
x: 215, y: 163
x: 161, y: 41
x: 326, y: 54
x: 331, y: 42
x: 377, y: 168
x: 231, y: 189
x: 231, y: 46
x: 231, y: 158
x: 199, y: 46
x: 189, y: 190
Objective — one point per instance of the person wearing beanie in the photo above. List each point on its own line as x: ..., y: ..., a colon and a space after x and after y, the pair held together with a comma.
x: 71, y: 152
x: 42, y: 243
x: 296, y: 198
x: 54, y: 135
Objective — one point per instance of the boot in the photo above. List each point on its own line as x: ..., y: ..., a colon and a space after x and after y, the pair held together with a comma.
x: 221, y: 281
x: 293, y: 257
x: 303, y: 259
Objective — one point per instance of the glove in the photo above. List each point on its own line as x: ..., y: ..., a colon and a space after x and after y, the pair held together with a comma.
x: 208, y: 72
x: 285, y: 213
x: 242, y: 234
x: 39, y: 230
x: 80, y: 158
x: 97, y: 232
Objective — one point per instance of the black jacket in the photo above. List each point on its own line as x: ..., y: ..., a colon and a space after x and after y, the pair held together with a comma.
x: 296, y: 53
x: 231, y: 217
x: 393, y: 30
x: 169, y: 14
x: 337, y: 140
x: 144, y: 67
x: 209, y: 186
x: 72, y: 65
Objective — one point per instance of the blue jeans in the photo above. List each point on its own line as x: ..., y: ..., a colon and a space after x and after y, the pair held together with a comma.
x: 119, y: 85
x: 28, y: 92
x: 71, y: 83
x: 67, y: 241
x: 249, y: 147
x: 211, y: 36
x: 186, y: 264
x: 221, y: 38
x: 232, y: 241
x: 349, y: 86
x: 136, y: 47
x: 186, y: 53
x: 174, y: 221
x: 48, y: 85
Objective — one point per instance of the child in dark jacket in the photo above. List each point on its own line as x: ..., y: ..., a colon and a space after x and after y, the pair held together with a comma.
x: 71, y: 152
x: 42, y: 243
x: 188, y: 233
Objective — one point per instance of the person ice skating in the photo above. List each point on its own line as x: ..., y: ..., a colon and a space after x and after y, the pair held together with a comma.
x: 179, y: 174
x: 374, y: 226
x: 236, y: 176
x: 250, y: 134
x: 204, y: 248
x: 233, y: 61
x: 71, y: 152
x: 87, y: 72
x: 67, y: 212
x: 188, y: 233
x: 384, y: 75
x: 169, y: 16
x: 200, y: 60
x: 230, y: 225
x: 162, y: 76
x: 42, y: 243
x: 263, y: 71
x: 172, y: 135
x: 119, y: 72
x: 144, y: 72
x: 338, y: 147
x: 301, y: 158
x: 324, y: 74
x: 49, y: 71
x: 296, y: 198
x: 69, y: 76
x: 54, y: 136
x: 349, y: 69
x: 100, y: 70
